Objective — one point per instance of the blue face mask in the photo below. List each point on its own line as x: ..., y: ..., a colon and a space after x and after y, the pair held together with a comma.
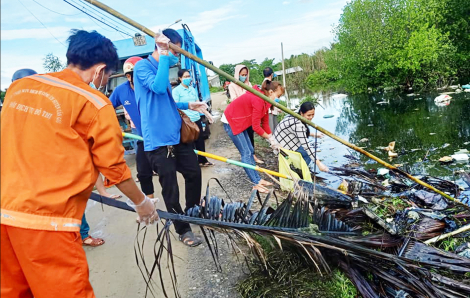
x: 186, y: 81
x: 242, y: 79
x: 173, y: 59
x: 92, y: 85
x: 277, y: 100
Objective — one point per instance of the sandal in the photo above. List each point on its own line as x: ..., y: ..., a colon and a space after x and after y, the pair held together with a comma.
x: 93, y: 242
x: 189, y: 239
x: 207, y: 164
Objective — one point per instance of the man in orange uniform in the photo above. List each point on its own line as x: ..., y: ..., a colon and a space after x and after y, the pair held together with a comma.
x: 58, y: 133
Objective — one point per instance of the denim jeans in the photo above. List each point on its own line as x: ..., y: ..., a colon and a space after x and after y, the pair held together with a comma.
x: 243, y: 144
x: 304, y: 154
x: 84, y: 228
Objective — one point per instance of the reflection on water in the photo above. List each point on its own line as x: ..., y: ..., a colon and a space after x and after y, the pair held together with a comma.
x: 419, y: 127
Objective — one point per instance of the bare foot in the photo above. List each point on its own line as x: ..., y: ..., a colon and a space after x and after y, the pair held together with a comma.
x: 261, y: 188
x: 265, y: 183
x: 257, y: 160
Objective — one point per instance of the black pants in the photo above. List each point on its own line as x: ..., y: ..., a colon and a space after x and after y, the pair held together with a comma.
x: 251, y: 135
x: 144, y: 170
x: 199, y: 143
x: 184, y: 160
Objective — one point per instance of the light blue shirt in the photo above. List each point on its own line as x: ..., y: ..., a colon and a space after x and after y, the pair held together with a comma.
x: 187, y: 95
x: 161, y: 122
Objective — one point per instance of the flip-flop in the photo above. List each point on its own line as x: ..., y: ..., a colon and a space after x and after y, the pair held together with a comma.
x: 94, y: 242
x: 207, y: 164
x: 188, y: 237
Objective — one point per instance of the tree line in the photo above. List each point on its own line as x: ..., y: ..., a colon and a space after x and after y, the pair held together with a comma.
x: 413, y: 44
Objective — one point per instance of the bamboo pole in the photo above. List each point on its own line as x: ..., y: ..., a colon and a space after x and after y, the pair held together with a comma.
x: 240, y: 164
x: 272, y: 102
x: 284, y: 76
x: 220, y: 158
x: 444, y: 236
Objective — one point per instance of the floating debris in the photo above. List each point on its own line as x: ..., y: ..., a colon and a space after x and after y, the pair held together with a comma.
x: 446, y: 159
x: 442, y: 100
x: 363, y: 140
x: 328, y: 116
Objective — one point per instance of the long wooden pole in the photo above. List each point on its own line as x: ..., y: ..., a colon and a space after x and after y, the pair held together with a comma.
x: 272, y: 102
x: 284, y: 76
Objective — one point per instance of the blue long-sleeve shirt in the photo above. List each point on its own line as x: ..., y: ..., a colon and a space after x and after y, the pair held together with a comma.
x: 124, y: 95
x: 160, y: 120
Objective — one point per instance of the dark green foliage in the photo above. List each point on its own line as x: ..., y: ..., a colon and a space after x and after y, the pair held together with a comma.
x: 256, y: 70
x: 3, y: 95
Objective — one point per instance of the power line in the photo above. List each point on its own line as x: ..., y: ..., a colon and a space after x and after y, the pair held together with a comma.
x: 56, y: 11
x: 97, y: 19
x: 41, y: 23
x: 93, y: 17
x: 99, y: 12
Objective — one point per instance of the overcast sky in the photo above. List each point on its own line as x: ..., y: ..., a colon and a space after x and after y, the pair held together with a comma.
x: 227, y: 31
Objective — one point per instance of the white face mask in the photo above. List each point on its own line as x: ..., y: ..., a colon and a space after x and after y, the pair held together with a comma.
x: 92, y: 85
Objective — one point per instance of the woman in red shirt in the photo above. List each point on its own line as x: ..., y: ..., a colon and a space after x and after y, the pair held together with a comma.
x: 246, y: 111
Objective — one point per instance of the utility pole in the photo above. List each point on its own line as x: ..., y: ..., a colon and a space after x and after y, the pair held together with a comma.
x: 284, y: 77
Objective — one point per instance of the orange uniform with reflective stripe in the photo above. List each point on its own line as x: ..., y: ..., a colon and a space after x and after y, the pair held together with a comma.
x: 57, y: 133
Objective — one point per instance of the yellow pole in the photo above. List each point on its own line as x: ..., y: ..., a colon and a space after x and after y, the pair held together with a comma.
x: 272, y: 102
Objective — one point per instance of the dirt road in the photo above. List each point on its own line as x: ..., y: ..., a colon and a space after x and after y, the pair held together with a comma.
x: 113, y: 269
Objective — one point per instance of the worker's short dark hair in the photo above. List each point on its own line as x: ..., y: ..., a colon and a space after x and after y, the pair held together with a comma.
x: 267, y: 72
x: 89, y: 48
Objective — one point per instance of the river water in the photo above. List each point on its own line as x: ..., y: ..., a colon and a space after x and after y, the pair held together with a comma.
x: 418, y: 126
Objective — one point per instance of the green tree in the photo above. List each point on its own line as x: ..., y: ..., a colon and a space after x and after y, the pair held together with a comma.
x: 228, y: 68
x: 52, y: 63
x: 2, y: 96
x: 392, y: 42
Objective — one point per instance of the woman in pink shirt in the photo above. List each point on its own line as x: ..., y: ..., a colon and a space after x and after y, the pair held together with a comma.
x: 247, y: 111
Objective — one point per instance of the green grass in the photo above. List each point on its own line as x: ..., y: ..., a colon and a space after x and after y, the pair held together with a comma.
x: 289, y: 275
x: 216, y: 89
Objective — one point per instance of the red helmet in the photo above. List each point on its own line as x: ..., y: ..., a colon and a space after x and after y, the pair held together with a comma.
x: 130, y: 63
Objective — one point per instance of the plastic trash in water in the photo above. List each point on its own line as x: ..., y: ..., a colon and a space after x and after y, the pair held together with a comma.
x: 442, y: 100
x: 460, y: 157
x: 339, y: 96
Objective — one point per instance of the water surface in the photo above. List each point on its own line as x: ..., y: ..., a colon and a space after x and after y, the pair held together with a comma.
x: 418, y: 126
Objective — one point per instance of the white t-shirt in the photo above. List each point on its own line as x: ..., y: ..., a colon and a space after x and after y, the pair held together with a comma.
x: 224, y: 119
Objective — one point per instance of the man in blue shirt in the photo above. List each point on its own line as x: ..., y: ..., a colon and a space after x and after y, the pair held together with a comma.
x: 124, y: 95
x: 161, y: 125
